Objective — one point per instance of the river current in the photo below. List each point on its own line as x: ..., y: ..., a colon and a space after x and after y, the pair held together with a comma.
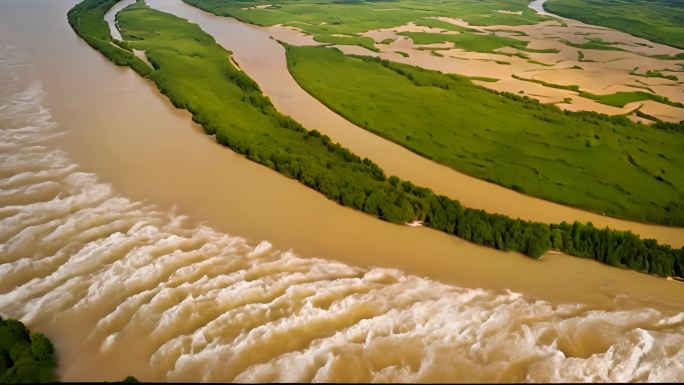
x: 123, y: 286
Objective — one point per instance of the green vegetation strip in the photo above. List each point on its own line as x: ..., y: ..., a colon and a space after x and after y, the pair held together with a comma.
x: 196, y: 74
x: 362, y: 41
x: 571, y: 87
x: 86, y: 20
x: 617, y: 99
x: 679, y: 56
x: 580, y: 159
x: 435, y: 23
x: 653, y: 74
x: 593, y: 43
x: 670, y: 126
x: 622, y: 98
x: 656, y: 20
x: 25, y: 357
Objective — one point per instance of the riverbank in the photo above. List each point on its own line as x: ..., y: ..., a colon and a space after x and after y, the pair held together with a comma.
x: 264, y: 60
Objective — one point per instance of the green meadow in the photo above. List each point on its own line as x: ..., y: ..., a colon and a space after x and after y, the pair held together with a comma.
x: 661, y: 21
x: 606, y: 165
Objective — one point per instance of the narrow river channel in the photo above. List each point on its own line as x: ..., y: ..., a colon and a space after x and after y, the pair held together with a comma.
x: 93, y: 161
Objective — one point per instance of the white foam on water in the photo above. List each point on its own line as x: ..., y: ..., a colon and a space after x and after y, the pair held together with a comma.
x: 206, y: 306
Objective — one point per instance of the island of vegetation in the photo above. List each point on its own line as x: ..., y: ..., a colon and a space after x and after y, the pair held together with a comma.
x: 604, y: 164
x: 196, y: 73
x: 661, y: 21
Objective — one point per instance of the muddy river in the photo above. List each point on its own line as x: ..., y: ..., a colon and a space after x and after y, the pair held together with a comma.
x: 140, y: 246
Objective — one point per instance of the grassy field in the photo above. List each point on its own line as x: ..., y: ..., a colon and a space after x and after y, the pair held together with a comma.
x: 325, y: 18
x: 661, y: 21
x: 607, y: 166
x: 653, y: 74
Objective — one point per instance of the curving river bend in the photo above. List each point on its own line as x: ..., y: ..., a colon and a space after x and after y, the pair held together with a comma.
x: 123, y: 287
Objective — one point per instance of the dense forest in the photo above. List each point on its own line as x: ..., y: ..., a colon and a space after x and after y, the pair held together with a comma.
x: 245, y: 120
x: 25, y: 357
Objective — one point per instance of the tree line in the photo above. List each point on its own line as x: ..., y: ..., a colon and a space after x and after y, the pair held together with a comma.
x: 87, y: 20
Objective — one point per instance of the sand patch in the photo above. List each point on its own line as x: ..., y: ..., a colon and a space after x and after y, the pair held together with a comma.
x: 663, y: 111
x: 263, y: 6
x: 519, y: 13
x: 291, y: 35
x: 141, y: 55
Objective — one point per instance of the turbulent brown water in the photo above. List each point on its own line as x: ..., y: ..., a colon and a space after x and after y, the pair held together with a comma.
x: 125, y: 287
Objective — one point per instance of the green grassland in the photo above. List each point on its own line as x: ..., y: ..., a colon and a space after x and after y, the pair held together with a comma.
x: 610, y: 166
x: 195, y: 73
x: 661, y: 21
x: 25, y: 357
x: 323, y: 18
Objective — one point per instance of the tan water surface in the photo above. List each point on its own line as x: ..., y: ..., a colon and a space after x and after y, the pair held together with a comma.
x: 92, y: 159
